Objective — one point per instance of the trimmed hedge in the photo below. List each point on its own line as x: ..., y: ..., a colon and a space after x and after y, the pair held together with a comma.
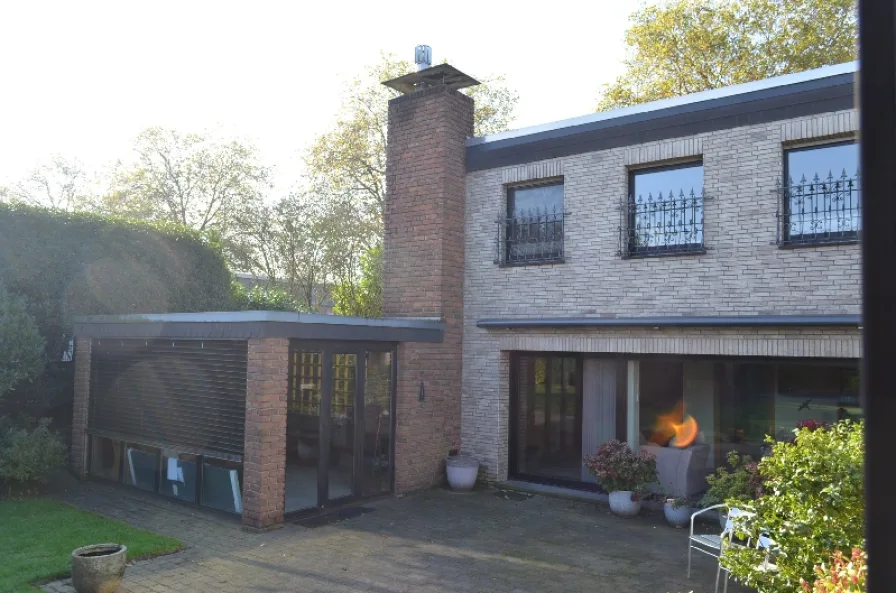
x: 86, y: 264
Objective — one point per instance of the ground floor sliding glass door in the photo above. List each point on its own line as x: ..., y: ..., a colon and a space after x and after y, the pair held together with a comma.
x: 339, y: 423
x: 690, y: 412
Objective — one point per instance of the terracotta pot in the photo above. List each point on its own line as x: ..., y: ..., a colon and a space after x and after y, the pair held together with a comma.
x: 98, y: 568
x: 622, y: 505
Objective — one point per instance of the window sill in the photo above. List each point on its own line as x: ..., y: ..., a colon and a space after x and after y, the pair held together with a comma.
x: 542, y: 262
x: 829, y: 243
x: 651, y: 254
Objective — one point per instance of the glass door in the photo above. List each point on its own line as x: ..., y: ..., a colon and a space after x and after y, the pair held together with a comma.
x: 339, y: 423
x: 341, y: 463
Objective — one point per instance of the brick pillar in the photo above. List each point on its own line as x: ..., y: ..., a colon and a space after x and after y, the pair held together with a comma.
x: 424, y: 272
x: 80, y: 406
x: 264, y: 457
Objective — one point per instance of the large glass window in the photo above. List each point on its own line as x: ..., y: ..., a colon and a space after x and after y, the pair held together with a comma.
x: 532, y: 232
x: 141, y: 466
x: 377, y: 423
x: 548, y: 417
x: 665, y: 210
x: 221, y: 485
x: 822, y: 194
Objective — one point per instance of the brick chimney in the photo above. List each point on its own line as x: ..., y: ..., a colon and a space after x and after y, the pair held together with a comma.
x: 424, y: 263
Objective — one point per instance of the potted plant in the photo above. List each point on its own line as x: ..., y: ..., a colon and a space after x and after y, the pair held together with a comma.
x: 624, y: 474
x: 98, y: 568
x: 742, y: 484
x: 677, y: 511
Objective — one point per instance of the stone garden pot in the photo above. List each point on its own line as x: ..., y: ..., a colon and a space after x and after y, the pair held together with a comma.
x: 622, y: 505
x: 98, y: 568
x: 462, y: 471
x: 676, y: 517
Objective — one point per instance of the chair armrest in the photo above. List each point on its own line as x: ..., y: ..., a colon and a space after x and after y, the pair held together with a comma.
x: 701, y: 511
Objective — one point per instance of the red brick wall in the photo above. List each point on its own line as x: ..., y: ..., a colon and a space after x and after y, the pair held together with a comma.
x: 424, y: 267
x: 80, y: 406
x: 264, y: 458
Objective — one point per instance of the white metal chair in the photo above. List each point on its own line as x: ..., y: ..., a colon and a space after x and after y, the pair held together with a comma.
x: 762, y: 543
x: 711, y: 544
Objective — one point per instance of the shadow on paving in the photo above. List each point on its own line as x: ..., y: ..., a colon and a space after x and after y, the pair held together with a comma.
x: 428, y: 542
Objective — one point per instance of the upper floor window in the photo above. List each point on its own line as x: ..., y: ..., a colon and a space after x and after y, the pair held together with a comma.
x: 532, y: 230
x: 821, y: 200
x: 664, y: 211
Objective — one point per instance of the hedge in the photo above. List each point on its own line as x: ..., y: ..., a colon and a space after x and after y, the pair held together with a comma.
x: 68, y: 264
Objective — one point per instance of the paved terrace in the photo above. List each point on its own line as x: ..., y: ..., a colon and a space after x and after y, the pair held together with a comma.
x: 431, y: 542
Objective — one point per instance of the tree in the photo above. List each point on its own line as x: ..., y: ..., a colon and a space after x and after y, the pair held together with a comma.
x: 21, y: 345
x: 363, y: 296
x: 687, y: 46
x: 195, y: 180
x: 346, y: 169
x: 59, y: 183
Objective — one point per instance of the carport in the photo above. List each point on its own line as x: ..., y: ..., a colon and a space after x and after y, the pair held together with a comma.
x: 255, y: 413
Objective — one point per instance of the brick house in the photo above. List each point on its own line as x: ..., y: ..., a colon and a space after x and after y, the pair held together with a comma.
x: 683, y: 275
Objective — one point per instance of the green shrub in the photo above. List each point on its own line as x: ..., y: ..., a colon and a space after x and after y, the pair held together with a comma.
x: 21, y: 345
x: 261, y: 298
x: 813, y: 505
x: 67, y: 264
x: 741, y: 484
x: 840, y: 575
x: 28, y: 455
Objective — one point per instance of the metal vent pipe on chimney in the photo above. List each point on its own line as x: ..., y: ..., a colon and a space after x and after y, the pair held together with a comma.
x: 423, y: 57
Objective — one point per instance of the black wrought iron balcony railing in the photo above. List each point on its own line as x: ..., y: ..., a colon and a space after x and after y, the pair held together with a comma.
x: 534, y: 237
x: 665, y: 224
x: 822, y: 210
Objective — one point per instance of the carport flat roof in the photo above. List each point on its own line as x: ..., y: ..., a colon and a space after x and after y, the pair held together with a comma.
x: 241, y: 325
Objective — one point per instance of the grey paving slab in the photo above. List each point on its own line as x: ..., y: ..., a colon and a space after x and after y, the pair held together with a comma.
x: 433, y: 541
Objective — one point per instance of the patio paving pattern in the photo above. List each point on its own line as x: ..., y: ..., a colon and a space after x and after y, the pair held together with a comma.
x: 430, y: 542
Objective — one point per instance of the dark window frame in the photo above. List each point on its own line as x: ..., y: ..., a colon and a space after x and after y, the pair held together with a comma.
x: 509, y: 225
x: 788, y: 241
x: 628, y: 231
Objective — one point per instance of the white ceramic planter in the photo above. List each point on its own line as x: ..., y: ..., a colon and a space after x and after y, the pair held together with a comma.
x: 622, y: 505
x: 676, y: 517
x: 462, y: 471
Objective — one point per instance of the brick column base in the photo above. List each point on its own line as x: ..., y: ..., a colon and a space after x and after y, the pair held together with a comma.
x: 264, y: 457
x: 78, y: 457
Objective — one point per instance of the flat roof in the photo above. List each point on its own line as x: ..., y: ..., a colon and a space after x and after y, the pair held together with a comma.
x: 674, y: 321
x: 260, y: 324
x: 781, y: 97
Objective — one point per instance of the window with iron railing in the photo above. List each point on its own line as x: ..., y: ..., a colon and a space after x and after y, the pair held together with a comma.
x: 663, y: 213
x: 816, y: 207
x: 532, y: 230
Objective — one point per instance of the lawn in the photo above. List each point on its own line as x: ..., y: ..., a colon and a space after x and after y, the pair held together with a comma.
x: 37, y: 537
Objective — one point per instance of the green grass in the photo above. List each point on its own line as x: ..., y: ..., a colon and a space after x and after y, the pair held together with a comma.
x: 37, y: 537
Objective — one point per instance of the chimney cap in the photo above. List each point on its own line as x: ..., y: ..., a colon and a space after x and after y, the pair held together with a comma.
x: 440, y: 74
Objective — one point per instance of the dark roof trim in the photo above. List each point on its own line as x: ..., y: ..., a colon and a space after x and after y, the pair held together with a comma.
x: 242, y: 325
x: 802, y: 99
x: 723, y: 321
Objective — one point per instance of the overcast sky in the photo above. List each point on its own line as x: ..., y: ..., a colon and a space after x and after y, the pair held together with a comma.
x: 81, y: 78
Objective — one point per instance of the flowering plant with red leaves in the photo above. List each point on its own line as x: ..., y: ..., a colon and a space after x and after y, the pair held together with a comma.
x: 616, y: 467
x: 811, y: 424
x: 841, y: 575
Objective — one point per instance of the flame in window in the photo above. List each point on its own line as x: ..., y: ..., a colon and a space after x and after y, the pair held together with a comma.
x: 675, y: 428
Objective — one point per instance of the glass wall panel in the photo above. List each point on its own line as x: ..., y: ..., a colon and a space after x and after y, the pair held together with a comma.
x: 342, y: 426
x: 377, y: 423
x: 548, y: 420
x: 303, y: 429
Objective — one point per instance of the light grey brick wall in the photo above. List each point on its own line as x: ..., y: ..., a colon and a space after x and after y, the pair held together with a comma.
x: 743, y: 273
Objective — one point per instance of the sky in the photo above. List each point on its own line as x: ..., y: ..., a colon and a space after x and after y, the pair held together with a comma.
x: 82, y: 78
